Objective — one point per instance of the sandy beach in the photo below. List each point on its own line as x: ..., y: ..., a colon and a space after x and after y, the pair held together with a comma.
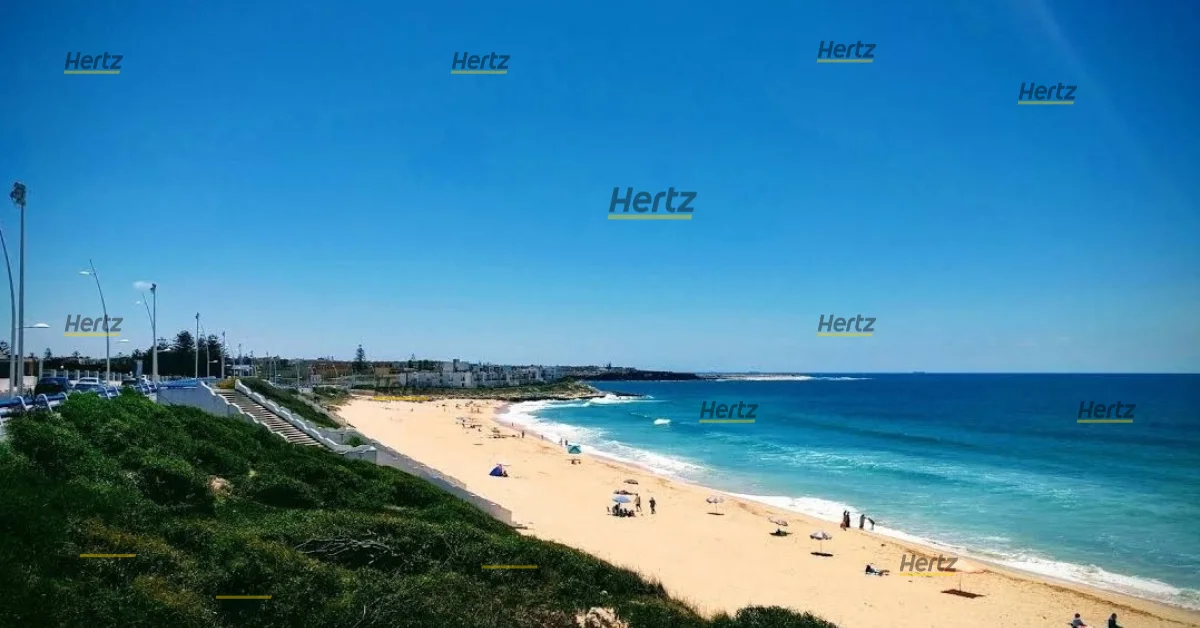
x: 722, y: 562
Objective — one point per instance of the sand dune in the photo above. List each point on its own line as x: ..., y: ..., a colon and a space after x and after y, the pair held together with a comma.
x: 722, y: 562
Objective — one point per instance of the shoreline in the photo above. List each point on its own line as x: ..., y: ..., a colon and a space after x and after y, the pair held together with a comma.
x: 1011, y: 596
x: 922, y: 547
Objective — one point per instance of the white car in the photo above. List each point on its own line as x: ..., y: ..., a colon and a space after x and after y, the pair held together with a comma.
x: 88, y: 382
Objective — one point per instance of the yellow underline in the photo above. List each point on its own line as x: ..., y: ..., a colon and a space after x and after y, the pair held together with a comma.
x: 1105, y: 421
x: 91, y: 71
x: 1045, y: 102
x: 845, y: 60
x: 242, y: 597
x: 924, y: 573
x: 849, y: 334
x: 726, y: 420
x: 649, y: 216
x: 510, y: 566
x: 479, y: 71
x: 107, y: 555
x: 95, y: 334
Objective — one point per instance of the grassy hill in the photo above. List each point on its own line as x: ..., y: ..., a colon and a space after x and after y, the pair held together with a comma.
x: 212, y: 506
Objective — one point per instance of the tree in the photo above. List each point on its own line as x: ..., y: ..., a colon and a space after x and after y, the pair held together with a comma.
x: 360, y: 360
x: 47, y: 355
x: 4, y: 347
x: 184, y: 342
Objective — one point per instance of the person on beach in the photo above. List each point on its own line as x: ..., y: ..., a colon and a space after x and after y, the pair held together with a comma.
x: 637, y: 503
x: 522, y: 433
x: 872, y: 571
x: 1077, y: 622
x: 651, y: 504
x: 1112, y: 621
x: 872, y: 522
x: 862, y: 520
x: 845, y: 520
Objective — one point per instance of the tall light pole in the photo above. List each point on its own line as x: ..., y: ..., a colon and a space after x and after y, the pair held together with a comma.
x: 153, y: 326
x: 107, y: 335
x: 197, y: 343
x: 12, y: 343
x: 223, y: 352
x: 18, y: 198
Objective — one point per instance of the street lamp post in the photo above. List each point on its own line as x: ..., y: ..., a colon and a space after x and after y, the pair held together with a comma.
x: 223, y: 351
x: 153, y: 328
x: 107, y: 334
x: 18, y: 198
x: 197, y: 343
x: 12, y: 343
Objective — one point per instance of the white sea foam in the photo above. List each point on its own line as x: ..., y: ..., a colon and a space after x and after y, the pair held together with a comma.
x: 662, y: 421
x: 610, y: 398
x: 785, y: 378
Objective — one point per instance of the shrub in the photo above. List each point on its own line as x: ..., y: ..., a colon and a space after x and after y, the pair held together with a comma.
x: 335, y: 542
x: 281, y: 491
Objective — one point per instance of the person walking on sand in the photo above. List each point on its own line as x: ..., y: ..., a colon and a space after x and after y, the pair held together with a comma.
x: 637, y: 503
x: 1077, y: 622
x: 872, y: 522
x: 862, y: 520
x: 1112, y: 621
x: 845, y: 520
x: 651, y: 504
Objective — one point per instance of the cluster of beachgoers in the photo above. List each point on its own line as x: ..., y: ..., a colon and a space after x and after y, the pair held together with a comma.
x: 719, y: 552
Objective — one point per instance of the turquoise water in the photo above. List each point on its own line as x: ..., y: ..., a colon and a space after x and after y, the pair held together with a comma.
x: 994, y: 466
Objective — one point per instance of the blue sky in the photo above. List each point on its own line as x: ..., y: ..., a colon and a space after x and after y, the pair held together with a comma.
x: 310, y: 176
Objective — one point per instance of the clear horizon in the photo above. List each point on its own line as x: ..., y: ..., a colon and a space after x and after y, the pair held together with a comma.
x: 310, y: 178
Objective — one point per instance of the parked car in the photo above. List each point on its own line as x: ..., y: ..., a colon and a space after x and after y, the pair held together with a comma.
x: 82, y: 386
x: 129, y: 382
x: 52, y: 386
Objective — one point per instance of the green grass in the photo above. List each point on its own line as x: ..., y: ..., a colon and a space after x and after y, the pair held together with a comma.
x: 289, y: 400
x: 335, y: 542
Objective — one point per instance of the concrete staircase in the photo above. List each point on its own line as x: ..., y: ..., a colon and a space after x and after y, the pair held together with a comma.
x: 267, y: 418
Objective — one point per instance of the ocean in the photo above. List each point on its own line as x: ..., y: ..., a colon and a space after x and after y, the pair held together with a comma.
x: 991, y: 466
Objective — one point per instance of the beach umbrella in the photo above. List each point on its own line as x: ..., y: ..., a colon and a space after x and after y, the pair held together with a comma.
x: 777, y: 521
x: 965, y: 566
x: 622, y: 499
x: 574, y: 449
x: 497, y: 471
x: 820, y: 536
x: 715, y: 500
x: 631, y: 481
